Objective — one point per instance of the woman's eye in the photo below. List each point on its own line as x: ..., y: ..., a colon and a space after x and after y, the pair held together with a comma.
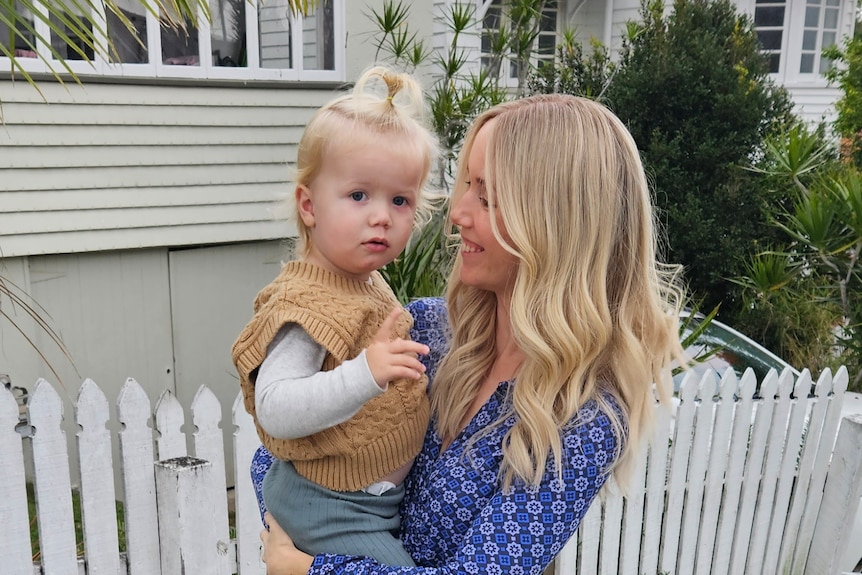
x: 400, y: 201
x: 484, y: 201
x: 357, y: 196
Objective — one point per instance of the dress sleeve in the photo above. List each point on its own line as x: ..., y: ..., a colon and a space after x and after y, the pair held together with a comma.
x: 431, y: 327
x: 518, y: 531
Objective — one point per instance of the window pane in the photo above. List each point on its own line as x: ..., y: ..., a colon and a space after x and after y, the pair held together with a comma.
x: 833, y: 2
x: 131, y: 48
x: 773, y: 62
x: 76, y: 41
x: 492, y: 17
x: 549, y: 20
x: 228, y: 32
x: 809, y: 40
x: 830, y: 19
x: 180, y: 46
x: 274, y: 30
x: 318, y: 38
x: 769, y: 39
x: 769, y: 16
x: 546, y: 45
x: 806, y: 64
x: 828, y: 39
x: 812, y: 16
x: 21, y: 43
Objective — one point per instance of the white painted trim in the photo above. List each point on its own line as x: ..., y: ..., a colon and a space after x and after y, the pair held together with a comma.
x: 155, y: 68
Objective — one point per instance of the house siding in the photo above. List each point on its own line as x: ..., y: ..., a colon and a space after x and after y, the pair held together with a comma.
x: 116, y: 166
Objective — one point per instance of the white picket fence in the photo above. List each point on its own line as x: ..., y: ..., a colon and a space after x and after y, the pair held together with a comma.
x: 734, y: 484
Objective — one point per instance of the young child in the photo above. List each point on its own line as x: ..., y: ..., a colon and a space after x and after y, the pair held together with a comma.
x: 329, y: 324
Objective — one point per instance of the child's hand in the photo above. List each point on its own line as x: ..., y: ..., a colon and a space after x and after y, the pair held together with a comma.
x: 394, y: 359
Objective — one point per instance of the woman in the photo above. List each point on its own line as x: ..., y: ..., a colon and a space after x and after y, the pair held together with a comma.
x: 559, y: 320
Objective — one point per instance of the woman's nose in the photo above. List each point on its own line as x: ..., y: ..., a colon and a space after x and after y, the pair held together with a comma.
x: 459, y: 212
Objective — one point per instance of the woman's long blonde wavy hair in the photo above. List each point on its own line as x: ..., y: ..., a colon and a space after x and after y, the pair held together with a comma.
x: 592, y: 309
x: 383, y: 102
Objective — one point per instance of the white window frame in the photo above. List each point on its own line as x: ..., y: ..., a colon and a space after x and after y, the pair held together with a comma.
x: 507, y: 79
x: 155, y: 68
x: 792, y: 36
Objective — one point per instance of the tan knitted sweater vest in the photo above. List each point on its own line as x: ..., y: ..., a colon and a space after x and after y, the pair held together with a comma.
x: 342, y: 315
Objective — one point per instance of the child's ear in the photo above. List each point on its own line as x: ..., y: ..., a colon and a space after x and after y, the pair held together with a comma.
x: 304, y: 205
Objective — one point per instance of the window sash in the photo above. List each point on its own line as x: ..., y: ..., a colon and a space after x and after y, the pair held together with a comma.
x: 495, y: 16
x: 205, y: 68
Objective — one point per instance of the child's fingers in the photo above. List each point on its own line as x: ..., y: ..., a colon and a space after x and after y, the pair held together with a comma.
x: 384, y: 334
x: 409, y: 347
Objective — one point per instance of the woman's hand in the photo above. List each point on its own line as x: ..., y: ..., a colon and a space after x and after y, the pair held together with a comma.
x: 280, y: 554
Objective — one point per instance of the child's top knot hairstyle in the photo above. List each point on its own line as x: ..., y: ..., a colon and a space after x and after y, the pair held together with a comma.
x: 384, y: 103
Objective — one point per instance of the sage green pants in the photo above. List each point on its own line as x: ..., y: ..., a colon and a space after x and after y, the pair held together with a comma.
x: 320, y: 520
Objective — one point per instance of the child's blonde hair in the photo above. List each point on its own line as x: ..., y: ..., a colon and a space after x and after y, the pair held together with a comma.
x: 382, y: 102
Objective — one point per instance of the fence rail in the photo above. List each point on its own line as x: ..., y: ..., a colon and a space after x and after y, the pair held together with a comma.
x: 735, y: 482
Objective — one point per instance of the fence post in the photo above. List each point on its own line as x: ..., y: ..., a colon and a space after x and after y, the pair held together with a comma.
x: 840, y: 499
x: 187, y: 536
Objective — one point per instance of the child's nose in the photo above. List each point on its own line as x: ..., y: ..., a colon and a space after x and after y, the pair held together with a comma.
x: 380, y: 216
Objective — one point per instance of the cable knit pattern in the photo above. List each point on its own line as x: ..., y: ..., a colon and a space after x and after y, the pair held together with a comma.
x: 455, y: 518
x: 342, y: 315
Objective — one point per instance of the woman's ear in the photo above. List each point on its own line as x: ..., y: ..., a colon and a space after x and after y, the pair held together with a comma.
x: 304, y: 205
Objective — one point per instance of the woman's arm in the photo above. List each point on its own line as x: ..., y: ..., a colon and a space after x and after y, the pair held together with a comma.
x: 514, y: 532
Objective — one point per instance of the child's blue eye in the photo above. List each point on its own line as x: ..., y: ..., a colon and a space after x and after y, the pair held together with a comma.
x: 399, y: 201
x: 357, y: 196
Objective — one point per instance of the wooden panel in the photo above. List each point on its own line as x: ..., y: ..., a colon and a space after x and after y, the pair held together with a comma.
x: 206, y: 321
x: 35, y: 200
x: 114, y: 219
x: 85, y: 241
x: 14, y: 528
x: 148, y: 135
x: 179, y: 177
x: 98, y: 507
x: 196, y: 157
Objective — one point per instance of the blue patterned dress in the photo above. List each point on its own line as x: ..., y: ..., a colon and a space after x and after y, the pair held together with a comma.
x: 455, y: 517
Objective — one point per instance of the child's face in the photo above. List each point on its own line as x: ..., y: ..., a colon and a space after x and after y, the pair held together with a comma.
x: 360, y: 207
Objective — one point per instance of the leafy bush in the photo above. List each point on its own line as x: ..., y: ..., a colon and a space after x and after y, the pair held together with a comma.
x: 848, y: 75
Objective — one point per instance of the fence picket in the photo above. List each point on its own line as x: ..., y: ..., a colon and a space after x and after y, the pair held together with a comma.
x: 842, y: 485
x: 821, y: 461
x: 682, y: 440
x: 611, y: 529
x: 248, y: 523
x: 718, y: 451
x: 753, y: 472
x: 634, y: 516
x: 209, y: 445
x: 15, y: 546
x: 792, y: 451
x: 169, y: 417
x: 52, y: 485
x: 139, y: 483
x: 590, y: 538
x: 771, y: 469
x: 734, y: 473
x: 814, y: 425
x: 98, y: 500
x: 657, y: 469
x: 699, y: 457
